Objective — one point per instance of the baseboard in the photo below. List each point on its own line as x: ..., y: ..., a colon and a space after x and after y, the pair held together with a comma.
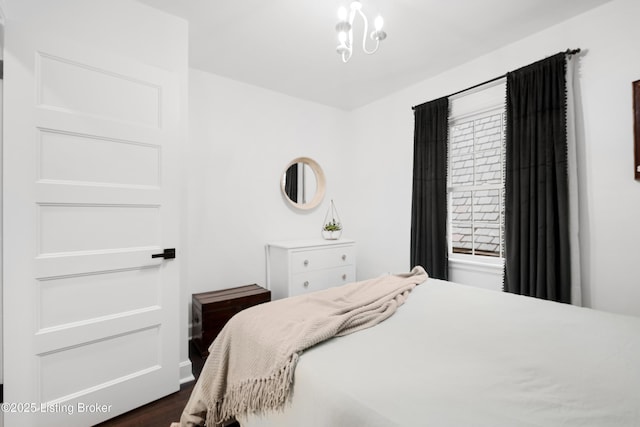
x: 186, y: 374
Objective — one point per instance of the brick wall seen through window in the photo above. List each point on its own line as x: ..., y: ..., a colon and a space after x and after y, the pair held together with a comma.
x: 475, y: 184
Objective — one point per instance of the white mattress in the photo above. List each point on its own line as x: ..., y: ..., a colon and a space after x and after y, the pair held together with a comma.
x: 457, y: 356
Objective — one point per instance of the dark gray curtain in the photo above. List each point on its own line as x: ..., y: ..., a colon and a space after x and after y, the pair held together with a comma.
x: 291, y: 182
x: 536, y: 195
x: 429, y: 200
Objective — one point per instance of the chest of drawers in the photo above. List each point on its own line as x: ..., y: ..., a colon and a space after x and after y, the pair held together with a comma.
x: 212, y: 310
x: 298, y: 267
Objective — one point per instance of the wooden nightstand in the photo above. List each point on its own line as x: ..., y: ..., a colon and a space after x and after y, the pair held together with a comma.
x: 212, y: 310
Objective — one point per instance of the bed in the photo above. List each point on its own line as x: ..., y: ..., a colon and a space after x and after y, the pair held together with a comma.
x: 456, y: 356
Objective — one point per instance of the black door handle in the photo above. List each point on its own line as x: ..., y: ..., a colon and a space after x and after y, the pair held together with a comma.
x: 167, y: 254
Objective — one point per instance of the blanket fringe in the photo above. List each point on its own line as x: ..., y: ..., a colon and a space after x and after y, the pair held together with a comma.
x: 254, y: 395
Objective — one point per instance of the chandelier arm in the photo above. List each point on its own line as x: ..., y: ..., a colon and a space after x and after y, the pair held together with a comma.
x: 364, y: 36
x: 352, y: 16
x: 345, y: 48
x: 370, y: 52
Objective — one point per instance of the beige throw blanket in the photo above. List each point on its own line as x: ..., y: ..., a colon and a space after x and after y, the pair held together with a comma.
x: 251, y: 363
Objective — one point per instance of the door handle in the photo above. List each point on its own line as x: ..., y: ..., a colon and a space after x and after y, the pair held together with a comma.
x: 167, y: 254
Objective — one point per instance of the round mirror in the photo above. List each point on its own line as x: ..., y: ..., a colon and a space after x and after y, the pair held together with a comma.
x: 303, y: 183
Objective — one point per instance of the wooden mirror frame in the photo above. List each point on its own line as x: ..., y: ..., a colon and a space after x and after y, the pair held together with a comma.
x: 636, y: 127
x: 320, y: 183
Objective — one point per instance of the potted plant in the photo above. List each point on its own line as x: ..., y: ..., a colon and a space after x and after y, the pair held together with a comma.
x: 332, y: 228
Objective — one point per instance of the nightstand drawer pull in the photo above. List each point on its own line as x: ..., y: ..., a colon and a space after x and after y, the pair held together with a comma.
x: 344, y: 277
x: 306, y: 284
x: 344, y: 257
x: 306, y: 262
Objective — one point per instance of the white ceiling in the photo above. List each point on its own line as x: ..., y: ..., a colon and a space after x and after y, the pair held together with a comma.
x: 289, y: 45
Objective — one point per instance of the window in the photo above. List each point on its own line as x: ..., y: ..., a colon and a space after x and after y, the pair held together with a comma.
x: 475, y: 183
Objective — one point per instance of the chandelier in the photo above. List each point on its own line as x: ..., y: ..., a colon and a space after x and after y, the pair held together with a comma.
x: 344, y: 27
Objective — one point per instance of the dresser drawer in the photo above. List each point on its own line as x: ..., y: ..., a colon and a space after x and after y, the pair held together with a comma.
x: 341, y: 275
x: 309, y: 260
x: 318, y: 280
x: 310, y: 281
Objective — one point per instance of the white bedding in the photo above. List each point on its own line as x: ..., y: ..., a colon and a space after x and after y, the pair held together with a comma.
x: 457, y: 356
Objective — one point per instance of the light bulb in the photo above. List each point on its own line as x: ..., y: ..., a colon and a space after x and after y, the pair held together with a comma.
x: 378, y: 23
x: 342, y: 13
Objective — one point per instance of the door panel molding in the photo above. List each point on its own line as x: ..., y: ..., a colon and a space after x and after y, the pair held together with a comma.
x: 80, y: 286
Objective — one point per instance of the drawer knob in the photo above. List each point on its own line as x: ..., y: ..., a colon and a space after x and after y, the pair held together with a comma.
x: 344, y: 277
x: 306, y: 262
x: 344, y: 257
x: 306, y: 284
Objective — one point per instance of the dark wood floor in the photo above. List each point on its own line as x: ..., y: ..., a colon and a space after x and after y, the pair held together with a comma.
x: 160, y: 413
x: 163, y: 412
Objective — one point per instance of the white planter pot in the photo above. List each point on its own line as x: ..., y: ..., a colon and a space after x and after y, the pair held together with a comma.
x: 331, y: 235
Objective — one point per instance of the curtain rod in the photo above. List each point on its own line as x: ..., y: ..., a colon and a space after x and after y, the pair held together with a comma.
x: 566, y: 52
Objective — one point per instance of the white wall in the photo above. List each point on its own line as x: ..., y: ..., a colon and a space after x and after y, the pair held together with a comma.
x: 609, y: 196
x: 241, y: 139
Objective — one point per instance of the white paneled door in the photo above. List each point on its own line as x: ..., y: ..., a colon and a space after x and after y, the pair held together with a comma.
x: 90, y: 194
